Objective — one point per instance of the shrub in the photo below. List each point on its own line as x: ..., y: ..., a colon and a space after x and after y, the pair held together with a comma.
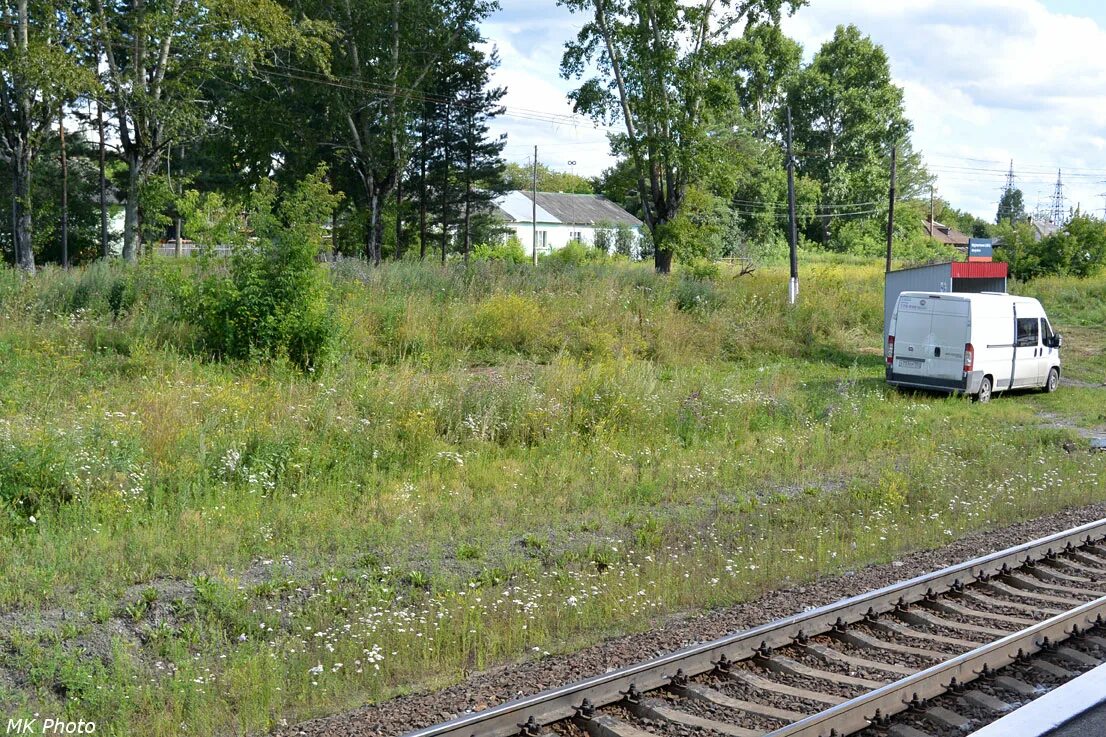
x: 507, y: 322
x: 511, y: 252
x: 34, y: 475
x: 575, y: 253
x: 702, y: 269
x: 272, y: 299
x: 693, y: 295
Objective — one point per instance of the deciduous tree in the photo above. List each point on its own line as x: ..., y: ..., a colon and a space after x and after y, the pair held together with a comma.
x: 847, y: 115
x: 161, y: 55
x: 39, y: 72
x: 646, y: 64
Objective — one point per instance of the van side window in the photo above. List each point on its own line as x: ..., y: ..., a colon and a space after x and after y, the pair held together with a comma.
x: 1027, y: 332
x: 1046, y: 331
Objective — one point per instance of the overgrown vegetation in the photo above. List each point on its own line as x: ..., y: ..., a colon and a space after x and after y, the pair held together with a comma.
x: 271, y: 299
x: 495, y: 461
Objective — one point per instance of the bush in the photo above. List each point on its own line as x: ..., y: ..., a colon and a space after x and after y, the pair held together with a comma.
x: 272, y: 300
x: 33, y: 476
x: 510, y: 252
x: 575, y: 253
x: 507, y: 322
x: 702, y: 269
x: 693, y: 295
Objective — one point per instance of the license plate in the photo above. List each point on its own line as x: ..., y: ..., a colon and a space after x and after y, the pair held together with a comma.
x: 911, y: 361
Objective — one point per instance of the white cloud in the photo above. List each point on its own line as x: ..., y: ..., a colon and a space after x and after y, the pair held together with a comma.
x: 990, y: 80
x: 530, y: 37
x: 984, y: 81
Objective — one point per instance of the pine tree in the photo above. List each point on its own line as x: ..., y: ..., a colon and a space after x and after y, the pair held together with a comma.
x: 457, y: 169
x: 481, y: 174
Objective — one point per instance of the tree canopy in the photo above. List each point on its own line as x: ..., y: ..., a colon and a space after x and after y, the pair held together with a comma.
x: 644, y: 63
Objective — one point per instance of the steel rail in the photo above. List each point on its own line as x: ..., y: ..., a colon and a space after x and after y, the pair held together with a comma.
x: 507, y: 719
x: 860, y: 712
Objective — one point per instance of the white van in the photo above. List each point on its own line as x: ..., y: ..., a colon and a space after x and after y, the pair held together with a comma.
x: 971, y: 343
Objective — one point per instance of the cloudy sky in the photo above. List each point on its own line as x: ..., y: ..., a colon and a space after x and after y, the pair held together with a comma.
x: 985, y: 81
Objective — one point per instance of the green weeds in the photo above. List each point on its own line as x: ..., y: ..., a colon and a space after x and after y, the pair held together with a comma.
x: 496, y: 462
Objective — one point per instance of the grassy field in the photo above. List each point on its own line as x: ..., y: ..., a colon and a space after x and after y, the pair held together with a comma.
x: 500, y: 462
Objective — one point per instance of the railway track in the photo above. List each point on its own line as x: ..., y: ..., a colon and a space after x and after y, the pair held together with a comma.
x: 986, y: 635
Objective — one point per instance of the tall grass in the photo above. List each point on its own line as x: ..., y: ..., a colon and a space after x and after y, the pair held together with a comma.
x: 499, y: 461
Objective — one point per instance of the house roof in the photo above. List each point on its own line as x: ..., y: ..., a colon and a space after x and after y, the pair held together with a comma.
x: 945, y: 234
x: 567, y: 209
x: 1043, y: 228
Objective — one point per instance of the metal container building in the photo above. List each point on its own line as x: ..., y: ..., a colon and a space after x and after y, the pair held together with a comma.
x: 951, y: 276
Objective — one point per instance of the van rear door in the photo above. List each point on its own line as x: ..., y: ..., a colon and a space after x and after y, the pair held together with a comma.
x: 948, y: 335
x: 913, y: 324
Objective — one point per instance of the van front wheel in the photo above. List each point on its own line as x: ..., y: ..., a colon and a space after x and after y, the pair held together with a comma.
x: 984, y: 393
x: 1052, y: 383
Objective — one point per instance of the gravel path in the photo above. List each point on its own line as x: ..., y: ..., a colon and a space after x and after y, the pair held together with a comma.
x: 489, y: 688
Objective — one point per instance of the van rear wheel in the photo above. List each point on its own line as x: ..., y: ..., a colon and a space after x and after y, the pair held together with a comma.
x: 1052, y: 383
x: 984, y: 393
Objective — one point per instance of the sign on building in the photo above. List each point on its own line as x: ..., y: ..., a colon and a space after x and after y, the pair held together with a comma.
x: 980, y: 249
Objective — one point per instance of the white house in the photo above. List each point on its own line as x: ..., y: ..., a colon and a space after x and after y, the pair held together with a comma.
x: 563, y: 218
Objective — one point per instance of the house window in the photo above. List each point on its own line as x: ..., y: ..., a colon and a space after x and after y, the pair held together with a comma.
x: 576, y: 236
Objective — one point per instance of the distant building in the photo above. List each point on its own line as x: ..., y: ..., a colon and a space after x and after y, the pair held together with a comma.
x: 946, y: 234
x: 562, y: 218
x: 1043, y: 228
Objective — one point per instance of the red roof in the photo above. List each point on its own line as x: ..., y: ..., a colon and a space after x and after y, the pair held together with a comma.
x: 979, y: 270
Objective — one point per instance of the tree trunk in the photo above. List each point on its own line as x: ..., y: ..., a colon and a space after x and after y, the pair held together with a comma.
x: 21, y: 209
x: 378, y: 236
x: 130, y: 218
x: 468, y: 221
x: 103, y: 182
x: 468, y: 195
x: 422, y: 210
x: 662, y: 259
x: 14, y: 222
x: 399, y: 219
x: 368, y: 242
x: 375, y: 228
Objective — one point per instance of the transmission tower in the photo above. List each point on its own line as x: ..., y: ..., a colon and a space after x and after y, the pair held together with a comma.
x: 1009, y: 180
x: 1056, y: 214
x: 1007, y: 189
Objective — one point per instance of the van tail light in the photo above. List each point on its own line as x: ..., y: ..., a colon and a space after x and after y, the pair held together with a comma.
x: 890, y: 349
x: 969, y: 357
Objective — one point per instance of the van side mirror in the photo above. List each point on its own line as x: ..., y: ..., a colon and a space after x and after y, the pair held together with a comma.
x: 1054, y: 341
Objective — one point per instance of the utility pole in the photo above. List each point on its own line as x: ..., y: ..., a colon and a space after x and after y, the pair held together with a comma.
x: 792, y: 230
x: 64, y: 191
x: 534, y: 207
x: 931, y: 235
x: 178, y: 221
x: 445, y: 185
x: 103, y: 182
x: 891, y: 208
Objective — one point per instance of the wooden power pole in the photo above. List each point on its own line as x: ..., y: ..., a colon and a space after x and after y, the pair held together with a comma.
x: 64, y: 191
x: 104, y: 246
x: 891, y: 209
x: 792, y: 229
x: 534, y: 207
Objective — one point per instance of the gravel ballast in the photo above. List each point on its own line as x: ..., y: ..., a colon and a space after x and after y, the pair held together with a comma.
x: 483, y: 690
